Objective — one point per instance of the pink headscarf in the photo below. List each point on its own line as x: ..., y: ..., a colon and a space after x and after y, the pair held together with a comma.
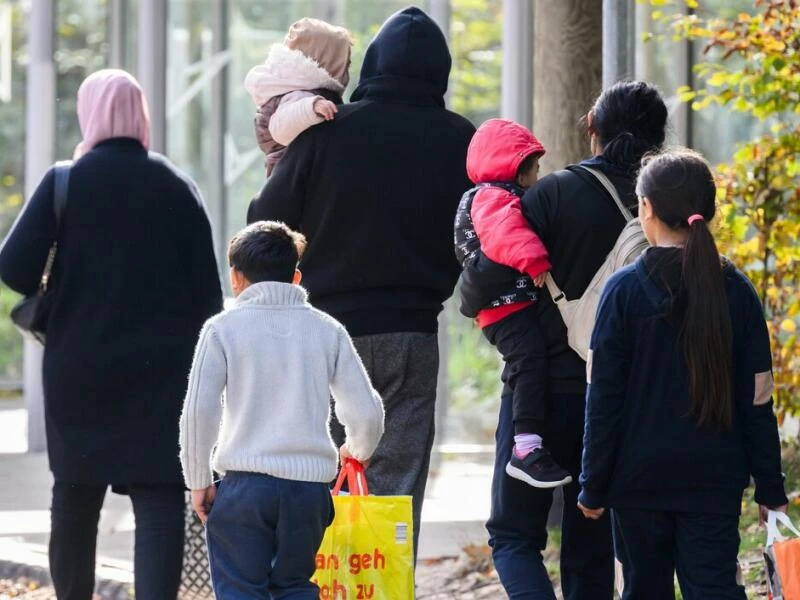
x: 111, y: 103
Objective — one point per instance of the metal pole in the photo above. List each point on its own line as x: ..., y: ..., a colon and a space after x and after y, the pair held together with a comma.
x: 39, y: 155
x: 517, y: 78
x: 439, y: 11
x: 117, y: 17
x: 689, y: 49
x: 619, y: 28
x: 152, y: 66
x: 645, y: 51
x: 217, y: 199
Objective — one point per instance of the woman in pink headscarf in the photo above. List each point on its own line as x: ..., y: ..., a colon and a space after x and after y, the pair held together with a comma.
x: 133, y: 281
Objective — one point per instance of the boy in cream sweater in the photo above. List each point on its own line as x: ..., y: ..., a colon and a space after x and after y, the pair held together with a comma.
x: 258, y: 396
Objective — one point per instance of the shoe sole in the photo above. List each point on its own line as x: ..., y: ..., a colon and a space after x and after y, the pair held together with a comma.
x: 521, y: 475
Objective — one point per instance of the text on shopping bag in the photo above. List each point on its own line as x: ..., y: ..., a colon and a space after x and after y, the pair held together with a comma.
x: 354, y: 564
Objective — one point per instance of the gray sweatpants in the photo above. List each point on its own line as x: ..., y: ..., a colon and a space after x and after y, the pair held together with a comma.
x: 403, y: 368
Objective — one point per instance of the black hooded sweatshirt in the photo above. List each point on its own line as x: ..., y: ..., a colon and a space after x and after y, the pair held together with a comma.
x: 375, y: 191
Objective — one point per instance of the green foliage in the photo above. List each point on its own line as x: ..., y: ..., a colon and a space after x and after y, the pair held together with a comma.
x: 753, y: 67
x: 475, y: 40
x: 10, y: 339
x: 473, y: 369
x: 12, y: 131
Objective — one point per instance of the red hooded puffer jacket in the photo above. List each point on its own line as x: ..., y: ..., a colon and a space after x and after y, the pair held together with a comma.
x: 497, y: 149
x: 495, y: 153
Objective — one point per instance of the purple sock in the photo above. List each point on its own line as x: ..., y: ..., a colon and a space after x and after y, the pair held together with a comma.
x: 525, y: 443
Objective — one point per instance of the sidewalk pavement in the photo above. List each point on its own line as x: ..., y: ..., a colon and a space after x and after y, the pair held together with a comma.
x: 456, y: 505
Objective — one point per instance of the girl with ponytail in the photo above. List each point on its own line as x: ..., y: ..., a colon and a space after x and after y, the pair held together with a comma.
x: 679, y: 408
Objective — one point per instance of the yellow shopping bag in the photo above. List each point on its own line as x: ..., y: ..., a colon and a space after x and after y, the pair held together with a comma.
x: 367, y: 552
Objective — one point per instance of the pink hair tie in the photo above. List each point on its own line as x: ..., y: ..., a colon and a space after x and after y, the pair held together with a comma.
x: 695, y: 217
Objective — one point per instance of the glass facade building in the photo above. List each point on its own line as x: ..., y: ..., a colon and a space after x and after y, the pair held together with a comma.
x: 192, y: 57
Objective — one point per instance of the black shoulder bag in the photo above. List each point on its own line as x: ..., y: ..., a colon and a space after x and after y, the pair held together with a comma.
x: 31, y: 313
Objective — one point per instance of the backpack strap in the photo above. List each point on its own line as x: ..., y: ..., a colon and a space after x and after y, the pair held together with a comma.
x: 555, y: 292
x: 609, y: 187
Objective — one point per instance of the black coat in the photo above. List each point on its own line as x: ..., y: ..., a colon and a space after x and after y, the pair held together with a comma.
x: 376, y: 189
x: 135, y: 278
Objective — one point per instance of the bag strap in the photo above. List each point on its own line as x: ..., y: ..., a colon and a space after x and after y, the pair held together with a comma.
x: 609, y: 187
x: 60, y: 185
x: 773, y: 533
x: 555, y: 292
x: 356, y: 480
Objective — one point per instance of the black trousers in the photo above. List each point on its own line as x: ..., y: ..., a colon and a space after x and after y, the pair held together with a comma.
x: 158, y: 555
x: 518, y: 522
x: 519, y: 340
x: 701, y: 548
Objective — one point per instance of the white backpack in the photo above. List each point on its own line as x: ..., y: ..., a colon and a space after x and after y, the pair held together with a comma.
x: 579, y: 314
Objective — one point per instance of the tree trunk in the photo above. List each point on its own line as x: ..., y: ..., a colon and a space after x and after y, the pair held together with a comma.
x: 567, y: 76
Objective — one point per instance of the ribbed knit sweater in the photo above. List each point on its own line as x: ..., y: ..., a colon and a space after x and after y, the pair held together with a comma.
x: 260, y: 386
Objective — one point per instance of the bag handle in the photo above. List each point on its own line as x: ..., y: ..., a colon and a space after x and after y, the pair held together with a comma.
x: 356, y: 480
x: 773, y: 533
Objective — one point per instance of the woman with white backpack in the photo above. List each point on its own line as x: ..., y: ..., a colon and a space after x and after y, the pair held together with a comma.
x: 576, y: 212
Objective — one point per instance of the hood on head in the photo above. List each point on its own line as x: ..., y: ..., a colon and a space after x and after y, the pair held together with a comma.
x: 287, y: 70
x: 498, y: 148
x: 409, y: 45
x: 326, y: 44
x: 111, y: 104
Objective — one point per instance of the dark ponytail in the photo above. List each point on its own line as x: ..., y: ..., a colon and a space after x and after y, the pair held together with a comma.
x: 630, y: 119
x: 681, y: 189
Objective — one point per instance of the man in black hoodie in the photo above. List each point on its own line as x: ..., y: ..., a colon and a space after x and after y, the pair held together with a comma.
x: 375, y: 191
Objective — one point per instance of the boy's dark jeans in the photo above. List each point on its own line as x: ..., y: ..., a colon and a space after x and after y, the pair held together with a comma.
x: 701, y: 548
x: 263, y: 534
x: 159, y: 514
x: 518, y: 522
x: 519, y: 340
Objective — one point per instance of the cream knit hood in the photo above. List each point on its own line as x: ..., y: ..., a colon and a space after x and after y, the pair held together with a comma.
x: 314, y: 55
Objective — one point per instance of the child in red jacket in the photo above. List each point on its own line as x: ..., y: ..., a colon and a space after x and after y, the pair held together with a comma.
x: 505, y: 256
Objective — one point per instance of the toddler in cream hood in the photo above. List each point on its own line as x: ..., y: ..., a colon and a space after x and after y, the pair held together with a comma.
x: 299, y: 84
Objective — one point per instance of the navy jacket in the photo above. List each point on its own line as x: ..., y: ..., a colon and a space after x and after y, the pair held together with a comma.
x: 134, y: 280
x: 641, y: 449
x: 376, y: 189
